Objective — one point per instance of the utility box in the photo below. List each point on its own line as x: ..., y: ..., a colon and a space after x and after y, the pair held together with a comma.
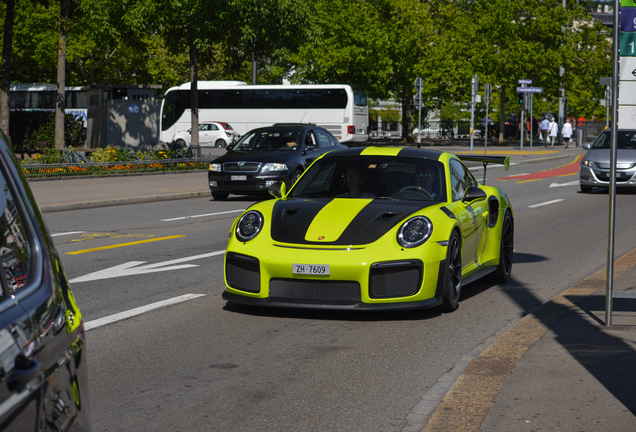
x: 124, y: 116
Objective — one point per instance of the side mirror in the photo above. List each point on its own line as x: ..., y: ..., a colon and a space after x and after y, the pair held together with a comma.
x: 586, y: 146
x: 278, y: 190
x: 474, y: 194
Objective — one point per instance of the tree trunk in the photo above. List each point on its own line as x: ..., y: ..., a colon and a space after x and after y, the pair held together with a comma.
x: 502, y: 115
x: 407, y: 124
x: 60, y: 104
x: 6, y: 68
x: 194, y: 96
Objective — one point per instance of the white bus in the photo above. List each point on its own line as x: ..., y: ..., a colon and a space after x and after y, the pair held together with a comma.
x: 42, y: 97
x: 341, y: 109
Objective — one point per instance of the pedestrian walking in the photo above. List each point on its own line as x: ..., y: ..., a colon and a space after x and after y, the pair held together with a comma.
x: 545, y: 124
x: 553, y: 130
x: 566, y: 132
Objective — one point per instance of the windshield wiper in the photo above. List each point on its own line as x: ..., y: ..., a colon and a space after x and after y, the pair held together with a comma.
x: 388, y: 198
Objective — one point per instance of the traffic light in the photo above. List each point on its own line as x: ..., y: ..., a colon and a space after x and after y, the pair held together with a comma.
x: 522, y: 99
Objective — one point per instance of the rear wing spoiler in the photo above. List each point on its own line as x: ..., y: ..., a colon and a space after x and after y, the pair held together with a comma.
x: 502, y: 160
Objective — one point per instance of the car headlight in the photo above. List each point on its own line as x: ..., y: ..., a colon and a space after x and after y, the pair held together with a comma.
x: 588, y: 163
x: 415, y: 232
x: 274, y: 167
x: 249, y: 225
x: 215, y: 167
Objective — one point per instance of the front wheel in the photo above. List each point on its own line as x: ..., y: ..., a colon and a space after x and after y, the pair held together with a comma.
x: 586, y: 189
x: 180, y: 143
x: 452, y: 275
x: 296, y: 176
x: 504, y: 269
x: 220, y: 196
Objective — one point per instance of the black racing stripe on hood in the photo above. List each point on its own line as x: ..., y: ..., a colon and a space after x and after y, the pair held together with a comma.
x: 376, y: 219
x: 291, y: 220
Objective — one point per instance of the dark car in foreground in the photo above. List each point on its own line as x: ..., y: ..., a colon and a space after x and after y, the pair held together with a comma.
x: 267, y: 155
x: 43, y: 378
x: 595, y: 166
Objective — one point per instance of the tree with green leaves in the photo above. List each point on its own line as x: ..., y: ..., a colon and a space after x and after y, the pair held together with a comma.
x: 376, y: 45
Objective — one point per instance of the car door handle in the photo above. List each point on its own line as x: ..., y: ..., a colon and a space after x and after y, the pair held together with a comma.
x: 23, y: 372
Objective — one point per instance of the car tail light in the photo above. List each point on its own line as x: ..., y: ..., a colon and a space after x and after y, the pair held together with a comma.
x: 228, y: 134
x: 351, y: 130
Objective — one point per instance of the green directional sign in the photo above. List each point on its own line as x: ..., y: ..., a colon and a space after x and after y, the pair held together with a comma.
x: 628, y: 3
x: 628, y: 44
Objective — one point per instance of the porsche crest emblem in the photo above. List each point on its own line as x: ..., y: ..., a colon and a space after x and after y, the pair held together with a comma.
x: 321, y: 237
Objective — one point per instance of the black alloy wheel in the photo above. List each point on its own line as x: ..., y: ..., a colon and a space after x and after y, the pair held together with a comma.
x: 504, y: 269
x: 452, y: 275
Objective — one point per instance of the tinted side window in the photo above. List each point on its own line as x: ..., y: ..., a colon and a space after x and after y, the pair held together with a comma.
x: 14, y: 249
x: 323, y: 140
x: 458, y: 185
x: 464, y: 173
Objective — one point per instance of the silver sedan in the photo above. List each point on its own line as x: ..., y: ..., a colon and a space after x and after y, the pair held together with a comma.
x: 595, y: 166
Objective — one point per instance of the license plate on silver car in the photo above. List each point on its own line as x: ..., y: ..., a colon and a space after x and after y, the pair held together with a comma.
x: 239, y: 177
x: 311, y: 269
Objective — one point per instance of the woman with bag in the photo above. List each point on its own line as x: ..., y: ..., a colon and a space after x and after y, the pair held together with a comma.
x: 553, y: 129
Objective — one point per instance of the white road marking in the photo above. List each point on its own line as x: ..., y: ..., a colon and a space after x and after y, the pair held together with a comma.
x: 572, y: 183
x: 545, y: 203
x: 138, y: 311
x: 135, y: 268
x: 68, y: 233
x: 515, y: 175
x: 477, y: 168
x: 202, y: 215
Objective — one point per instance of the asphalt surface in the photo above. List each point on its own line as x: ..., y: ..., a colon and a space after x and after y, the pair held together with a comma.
x: 560, y: 368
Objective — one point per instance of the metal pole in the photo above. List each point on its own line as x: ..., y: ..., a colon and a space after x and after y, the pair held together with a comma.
x: 530, y: 120
x: 609, y: 289
x: 419, y: 123
x: 472, y: 112
x: 486, y: 139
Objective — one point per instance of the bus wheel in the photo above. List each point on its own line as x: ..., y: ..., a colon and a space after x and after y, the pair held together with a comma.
x: 219, y: 143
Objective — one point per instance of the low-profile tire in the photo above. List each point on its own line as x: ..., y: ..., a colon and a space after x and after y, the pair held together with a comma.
x: 180, y: 143
x: 219, y: 196
x: 452, y: 275
x: 586, y: 189
x: 220, y: 143
x: 504, y: 269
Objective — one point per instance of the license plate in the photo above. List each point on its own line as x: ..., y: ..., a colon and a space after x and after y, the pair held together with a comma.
x: 239, y: 177
x: 310, y: 269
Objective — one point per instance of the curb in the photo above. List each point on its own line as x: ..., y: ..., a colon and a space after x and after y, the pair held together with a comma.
x: 123, y: 201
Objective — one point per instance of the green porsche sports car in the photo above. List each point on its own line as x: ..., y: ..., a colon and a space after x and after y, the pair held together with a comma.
x: 372, y: 228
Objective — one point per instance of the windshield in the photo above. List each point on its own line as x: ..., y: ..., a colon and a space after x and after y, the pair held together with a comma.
x: 379, y: 177
x: 278, y: 140
x: 626, y: 140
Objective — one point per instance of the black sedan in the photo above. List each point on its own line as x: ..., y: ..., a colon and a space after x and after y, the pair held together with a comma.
x: 267, y: 155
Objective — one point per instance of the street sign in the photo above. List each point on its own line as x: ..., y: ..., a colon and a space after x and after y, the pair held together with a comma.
x: 529, y: 89
x: 487, y: 91
x: 525, y: 81
x: 416, y: 100
x: 605, y: 81
x: 418, y: 84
